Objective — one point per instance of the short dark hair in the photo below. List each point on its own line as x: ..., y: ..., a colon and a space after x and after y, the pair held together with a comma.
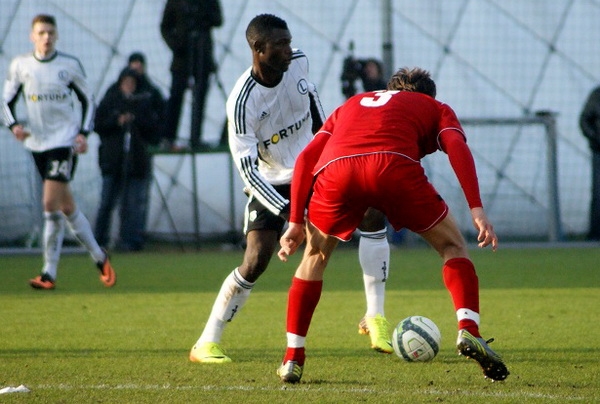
x: 137, y: 57
x: 262, y: 25
x: 416, y: 80
x: 44, y: 18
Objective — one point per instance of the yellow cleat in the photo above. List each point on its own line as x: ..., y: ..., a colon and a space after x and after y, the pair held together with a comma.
x: 209, y: 352
x: 377, y: 328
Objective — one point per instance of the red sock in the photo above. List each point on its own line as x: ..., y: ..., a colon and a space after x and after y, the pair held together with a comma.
x: 462, y: 283
x: 303, y: 298
x: 294, y: 354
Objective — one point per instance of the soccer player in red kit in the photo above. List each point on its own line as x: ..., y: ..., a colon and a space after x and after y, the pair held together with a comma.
x: 367, y: 154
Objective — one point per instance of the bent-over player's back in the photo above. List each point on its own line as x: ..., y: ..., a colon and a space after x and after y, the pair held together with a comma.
x: 404, y: 123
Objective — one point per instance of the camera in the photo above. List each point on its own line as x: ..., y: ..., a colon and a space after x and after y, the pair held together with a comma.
x: 351, y: 72
x: 369, y: 71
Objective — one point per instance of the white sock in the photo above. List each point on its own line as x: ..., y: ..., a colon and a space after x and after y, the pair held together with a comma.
x: 230, y: 300
x: 295, y: 341
x: 466, y: 314
x: 54, y: 232
x: 80, y: 226
x: 374, y: 257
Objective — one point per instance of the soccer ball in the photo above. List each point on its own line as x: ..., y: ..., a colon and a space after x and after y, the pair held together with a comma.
x: 416, y: 339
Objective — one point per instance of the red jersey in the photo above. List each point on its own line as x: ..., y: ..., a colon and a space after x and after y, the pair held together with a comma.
x: 374, y: 122
x: 403, y: 123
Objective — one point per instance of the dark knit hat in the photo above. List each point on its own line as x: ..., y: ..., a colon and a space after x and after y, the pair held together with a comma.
x: 137, y: 57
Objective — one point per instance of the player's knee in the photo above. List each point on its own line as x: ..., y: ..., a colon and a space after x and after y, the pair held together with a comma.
x: 51, y: 204
x: 453, y: 249
x: 68, y: 209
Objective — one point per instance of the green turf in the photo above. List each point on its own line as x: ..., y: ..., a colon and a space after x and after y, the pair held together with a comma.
x: 84, y: 343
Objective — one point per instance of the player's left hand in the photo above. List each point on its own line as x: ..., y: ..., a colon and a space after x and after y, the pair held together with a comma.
x: 486, y: 235
x: 291, y: 240
x: 81, y: 145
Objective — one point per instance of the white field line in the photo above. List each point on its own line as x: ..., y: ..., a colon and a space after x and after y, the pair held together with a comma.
x: 157, y: 387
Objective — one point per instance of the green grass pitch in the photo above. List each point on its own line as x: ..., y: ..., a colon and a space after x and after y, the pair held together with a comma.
x: 129, y: 344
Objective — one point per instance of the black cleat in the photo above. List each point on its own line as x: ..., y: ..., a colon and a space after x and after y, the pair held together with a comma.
x: 477, y: 348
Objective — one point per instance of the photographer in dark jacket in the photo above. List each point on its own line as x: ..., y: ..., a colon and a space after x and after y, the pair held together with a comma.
x: 186, y: 28
x: 368, y: 71
x: 127, y: 123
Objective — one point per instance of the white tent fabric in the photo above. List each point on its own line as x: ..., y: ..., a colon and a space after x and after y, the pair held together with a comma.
x: 490, y: 58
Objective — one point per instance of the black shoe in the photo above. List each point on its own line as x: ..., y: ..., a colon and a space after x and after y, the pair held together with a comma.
x: 477, y: 348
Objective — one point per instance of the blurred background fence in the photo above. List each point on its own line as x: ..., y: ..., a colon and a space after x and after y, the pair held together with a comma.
x: 493, y: 61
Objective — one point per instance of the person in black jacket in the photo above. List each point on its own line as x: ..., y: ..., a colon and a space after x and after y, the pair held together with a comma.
x: 186, y: 28
x: 589, y: 122
x: 137, y: 62
x: 127, y: 124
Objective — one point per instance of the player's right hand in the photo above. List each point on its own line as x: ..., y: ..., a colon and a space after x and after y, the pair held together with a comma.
x: 20, y: 133
x: 291, y: 240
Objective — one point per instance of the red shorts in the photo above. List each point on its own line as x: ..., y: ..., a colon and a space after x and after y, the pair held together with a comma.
x: 395, y: 185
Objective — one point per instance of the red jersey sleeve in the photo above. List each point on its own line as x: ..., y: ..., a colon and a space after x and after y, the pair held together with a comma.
x: 302, y: 179
x: 448, y: 120
x: 454, y: 144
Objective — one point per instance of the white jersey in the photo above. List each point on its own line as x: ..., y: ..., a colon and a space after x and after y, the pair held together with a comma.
x: 269, y: 127
x: 47, y: 87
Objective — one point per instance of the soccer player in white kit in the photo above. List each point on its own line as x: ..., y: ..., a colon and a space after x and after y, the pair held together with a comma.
x: 56, y: 134
x: 273, y: 112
